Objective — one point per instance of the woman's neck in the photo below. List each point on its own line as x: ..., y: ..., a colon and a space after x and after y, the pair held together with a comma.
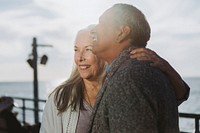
x: 91, y: 91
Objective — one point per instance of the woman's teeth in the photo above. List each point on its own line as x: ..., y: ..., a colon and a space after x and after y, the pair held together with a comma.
x: 84, y: 67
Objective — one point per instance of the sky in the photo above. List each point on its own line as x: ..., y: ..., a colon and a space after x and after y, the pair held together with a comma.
x: 175, y: 34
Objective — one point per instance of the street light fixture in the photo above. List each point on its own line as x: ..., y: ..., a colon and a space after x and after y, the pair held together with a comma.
x: 43, y: 60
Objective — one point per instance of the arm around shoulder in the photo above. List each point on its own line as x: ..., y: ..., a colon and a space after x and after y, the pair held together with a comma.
x: 180, y: 87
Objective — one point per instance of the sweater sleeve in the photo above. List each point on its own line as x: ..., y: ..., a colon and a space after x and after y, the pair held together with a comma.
x: 186, y: 94
x: 50, y: 119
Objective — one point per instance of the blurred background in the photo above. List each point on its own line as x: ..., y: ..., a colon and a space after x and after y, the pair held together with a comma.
x: 175, y: 36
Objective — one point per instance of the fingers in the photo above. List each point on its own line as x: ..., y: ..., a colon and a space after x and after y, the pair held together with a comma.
x: 138, y: 50
x: 143, y: 54
x: 146, y: 54
x: 151, y: 56
x: 146, y: 51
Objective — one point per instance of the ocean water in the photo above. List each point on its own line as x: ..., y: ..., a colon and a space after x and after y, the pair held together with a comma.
x: 25, y: 89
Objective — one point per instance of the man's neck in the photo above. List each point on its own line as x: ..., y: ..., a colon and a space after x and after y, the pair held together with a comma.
x: 115, y: 52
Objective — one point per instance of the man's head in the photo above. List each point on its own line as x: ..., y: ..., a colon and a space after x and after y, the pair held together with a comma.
x: 120, y: 27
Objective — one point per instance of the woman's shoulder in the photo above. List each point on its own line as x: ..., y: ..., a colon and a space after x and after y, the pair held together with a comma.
x: 56, y: 92
x: 51, y: 95
x: 51, y: 98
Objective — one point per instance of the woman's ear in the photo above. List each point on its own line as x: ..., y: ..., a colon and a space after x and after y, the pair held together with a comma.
x: 124, y: 32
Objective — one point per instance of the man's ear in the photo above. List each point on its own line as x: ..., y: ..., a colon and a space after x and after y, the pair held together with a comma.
x: 124, y: 32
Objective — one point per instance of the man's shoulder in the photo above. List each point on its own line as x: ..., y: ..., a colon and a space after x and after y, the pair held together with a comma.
x: 140, y: 69
x: 132, y: 65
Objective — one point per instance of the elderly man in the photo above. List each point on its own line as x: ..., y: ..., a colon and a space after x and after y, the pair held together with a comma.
x: 135, y: 97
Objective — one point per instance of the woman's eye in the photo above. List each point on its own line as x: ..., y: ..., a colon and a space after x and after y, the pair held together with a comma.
x: 88, y: 49
x: 75, y: 50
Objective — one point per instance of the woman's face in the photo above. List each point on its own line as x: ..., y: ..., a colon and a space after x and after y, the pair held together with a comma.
x: 89, y: 66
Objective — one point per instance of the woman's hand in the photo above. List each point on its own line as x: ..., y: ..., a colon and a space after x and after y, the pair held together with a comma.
x: 151, y: 56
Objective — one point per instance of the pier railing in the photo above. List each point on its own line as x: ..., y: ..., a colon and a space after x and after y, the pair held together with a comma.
x: 26, y: 105
x: 196, y: 118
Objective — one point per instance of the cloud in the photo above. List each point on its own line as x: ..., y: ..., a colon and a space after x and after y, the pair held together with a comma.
x: 175, y: 30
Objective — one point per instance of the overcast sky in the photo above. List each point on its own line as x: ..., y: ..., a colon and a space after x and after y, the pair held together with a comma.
x: 175, y: 33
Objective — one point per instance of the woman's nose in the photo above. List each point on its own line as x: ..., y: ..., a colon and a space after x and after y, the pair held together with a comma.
x: 81, y: 57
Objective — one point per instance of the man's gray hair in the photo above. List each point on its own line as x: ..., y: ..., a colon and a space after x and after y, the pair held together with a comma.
x: 128, y: 15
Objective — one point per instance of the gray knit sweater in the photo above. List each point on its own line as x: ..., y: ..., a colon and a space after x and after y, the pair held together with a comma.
x: 135, y: 98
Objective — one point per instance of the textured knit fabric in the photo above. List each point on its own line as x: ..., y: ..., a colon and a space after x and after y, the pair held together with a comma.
x: 52, y: 122
x: 67, y: 122
x: 186, y: 94
x: 135, y: 98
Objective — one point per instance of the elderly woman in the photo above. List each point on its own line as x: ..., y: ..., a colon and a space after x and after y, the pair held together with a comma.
x: 70, y: 105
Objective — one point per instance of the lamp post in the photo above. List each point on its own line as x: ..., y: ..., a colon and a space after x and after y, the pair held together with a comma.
x: 35, y: 80
x: 33, y: 64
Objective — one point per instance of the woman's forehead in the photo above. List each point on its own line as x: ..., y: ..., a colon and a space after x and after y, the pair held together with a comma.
x: 83, y: 38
